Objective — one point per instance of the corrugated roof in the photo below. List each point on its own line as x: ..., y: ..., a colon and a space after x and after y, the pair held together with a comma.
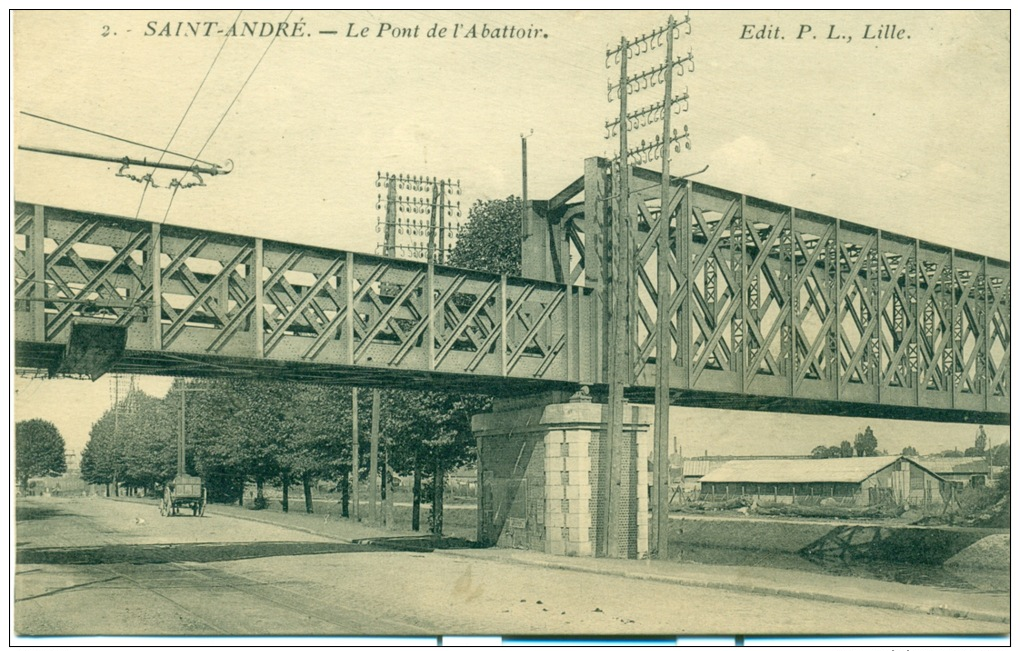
x: 798, y: 471
x: 698, y: 467
x: 954, y: 465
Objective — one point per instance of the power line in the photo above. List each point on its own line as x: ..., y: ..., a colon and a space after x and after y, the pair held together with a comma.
x: 148, y: 179
x: 106, y: 135
x: 230, y: 106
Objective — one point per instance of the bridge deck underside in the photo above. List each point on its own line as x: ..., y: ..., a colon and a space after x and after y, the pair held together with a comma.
x: 45, y: 356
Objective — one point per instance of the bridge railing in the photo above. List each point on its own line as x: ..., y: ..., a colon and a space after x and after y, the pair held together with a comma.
x: 189, y: 291
x: 769, y: 300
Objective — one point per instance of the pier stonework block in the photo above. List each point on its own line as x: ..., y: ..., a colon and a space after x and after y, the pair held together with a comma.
x: 543, y: 482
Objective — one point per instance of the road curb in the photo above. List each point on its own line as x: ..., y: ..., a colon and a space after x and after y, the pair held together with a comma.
x: 285, y: 525
x: 942, y: 610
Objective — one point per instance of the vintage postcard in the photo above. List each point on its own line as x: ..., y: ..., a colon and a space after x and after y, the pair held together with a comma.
x: 522, y: 324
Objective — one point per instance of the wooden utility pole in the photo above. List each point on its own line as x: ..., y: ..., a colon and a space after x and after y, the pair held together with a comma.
x: 355, y: 462
x: 613, y: 543
x: 663, y: 352
x: 433, y: 213
x: 373, y: 459
x: 524, y: 185
x: 390, y: 227
x: 180, y: 439
x: 442, y: 222
x: 623, y: 299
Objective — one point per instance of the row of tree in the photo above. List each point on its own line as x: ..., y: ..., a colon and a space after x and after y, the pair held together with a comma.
x: 866, y: 445
x: 259, y: 431
x: 267, y: 432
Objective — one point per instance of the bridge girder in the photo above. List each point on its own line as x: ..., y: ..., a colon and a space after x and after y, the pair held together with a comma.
x: 772, y: 308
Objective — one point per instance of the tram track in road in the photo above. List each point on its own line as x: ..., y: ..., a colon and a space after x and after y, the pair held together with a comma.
x: 216, y: 600
x: 300, y: 605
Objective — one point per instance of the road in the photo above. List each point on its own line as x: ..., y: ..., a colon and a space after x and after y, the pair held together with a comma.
x: 97, y: 566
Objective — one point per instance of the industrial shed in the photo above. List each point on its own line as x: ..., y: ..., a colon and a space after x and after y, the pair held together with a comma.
x: 861, y: 481
x: 961, y: 471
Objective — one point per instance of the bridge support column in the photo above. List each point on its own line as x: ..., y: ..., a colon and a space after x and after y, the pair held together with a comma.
x: 540, y: 467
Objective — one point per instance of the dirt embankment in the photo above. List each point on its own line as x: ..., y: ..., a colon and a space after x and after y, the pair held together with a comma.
x: 915, y: 545
x: 989, y: 553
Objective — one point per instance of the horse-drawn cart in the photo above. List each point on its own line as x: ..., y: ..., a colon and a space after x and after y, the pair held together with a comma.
x: 184, y: 491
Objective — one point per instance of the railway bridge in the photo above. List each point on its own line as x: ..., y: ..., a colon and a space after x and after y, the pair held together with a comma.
x: 767, y: 307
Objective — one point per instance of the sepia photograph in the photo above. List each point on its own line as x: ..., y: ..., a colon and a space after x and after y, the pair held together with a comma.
x: 574, y: 325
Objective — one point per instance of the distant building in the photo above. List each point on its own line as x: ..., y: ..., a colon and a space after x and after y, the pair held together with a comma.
x: 687, y: 472
x: 68, y: 483
x: 961, y: 471
x: 860, y: 481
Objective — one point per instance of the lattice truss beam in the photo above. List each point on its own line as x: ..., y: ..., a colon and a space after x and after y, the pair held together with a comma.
x: 189, y: 291
x: 766, y: 299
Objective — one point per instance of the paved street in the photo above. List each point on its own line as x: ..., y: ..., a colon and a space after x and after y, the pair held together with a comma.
x: 97, y: 566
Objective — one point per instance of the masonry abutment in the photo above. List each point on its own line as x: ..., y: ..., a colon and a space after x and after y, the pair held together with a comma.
x: 541, y: 476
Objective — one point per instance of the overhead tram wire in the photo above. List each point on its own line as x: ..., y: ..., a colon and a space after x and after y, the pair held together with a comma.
x: 223, y: 117
x: 148, y: 179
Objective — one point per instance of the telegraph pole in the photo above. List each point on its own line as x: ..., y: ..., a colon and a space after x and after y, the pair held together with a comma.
x: 421, y: 216
x: 180, y: 436
x: 431, y: 240
x: 622, y: 298
x: 355, y: 462
x: 659, y: 530
x: 373, y: 459
x: 620, y: 337
x: 524, y: 182
x: 418, y: 195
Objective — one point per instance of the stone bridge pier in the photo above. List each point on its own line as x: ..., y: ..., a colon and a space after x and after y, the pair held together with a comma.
x: 543, y: 465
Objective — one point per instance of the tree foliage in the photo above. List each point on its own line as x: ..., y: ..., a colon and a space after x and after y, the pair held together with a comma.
x: 980, y: 444
x: 865, y: 443
x: 430, y: 432
x: 38, y: 450
x: 491, y: 237
x: 842, y: 451
x: 1000, y: 454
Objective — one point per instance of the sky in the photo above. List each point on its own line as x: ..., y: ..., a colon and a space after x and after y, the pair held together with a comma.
x: 909, y: 135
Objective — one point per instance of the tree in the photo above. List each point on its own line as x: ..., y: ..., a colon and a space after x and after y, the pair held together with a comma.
x: 431, y: 435
x: 237, y: 433
x: 38, y: 450
x: 841, y: 451
x: 430, y: 432
x: 148, y: 429
x: 865, y: 443
x: 820, y: 452
x: 980, y: 444
x: 909, y: 451
x: 491, y: 237
x: 981, y: 440
x: 101, y: 460
x: 1000, y: 454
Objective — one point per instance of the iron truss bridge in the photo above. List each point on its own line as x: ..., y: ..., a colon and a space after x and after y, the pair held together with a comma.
x: 771, y: 308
